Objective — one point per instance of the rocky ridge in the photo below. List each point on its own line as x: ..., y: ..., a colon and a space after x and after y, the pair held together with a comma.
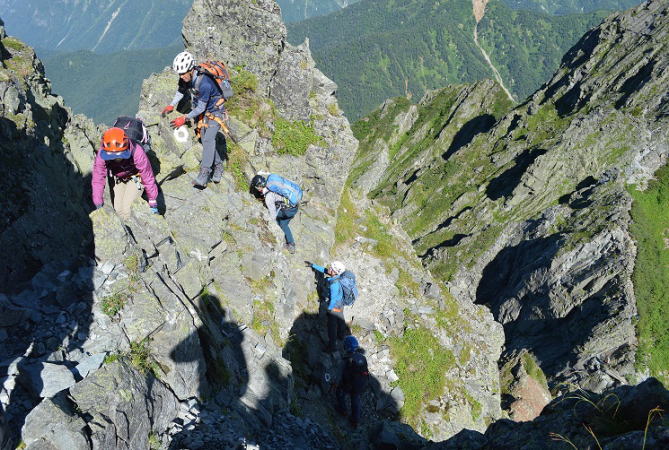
x: 483, y: 192
x: 195, y: 328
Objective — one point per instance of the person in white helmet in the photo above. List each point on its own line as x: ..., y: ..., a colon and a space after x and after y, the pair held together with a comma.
x: 337, y: 328
x: 207, y: 99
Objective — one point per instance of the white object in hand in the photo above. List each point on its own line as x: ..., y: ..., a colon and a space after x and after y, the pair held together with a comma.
x: 181, y: 134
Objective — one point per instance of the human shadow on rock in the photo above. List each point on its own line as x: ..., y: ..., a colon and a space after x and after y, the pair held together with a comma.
x: 316, y: 374
x: 223, y: 372
x: 46, y: 263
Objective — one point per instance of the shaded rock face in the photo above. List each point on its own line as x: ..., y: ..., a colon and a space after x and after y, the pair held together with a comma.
x: 44, y: 220
x: 614, y: 419
x: 530, y: 215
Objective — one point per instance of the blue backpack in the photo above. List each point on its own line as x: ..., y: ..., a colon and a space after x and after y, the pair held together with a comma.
x: 348, y: 287
x: 285, y: 188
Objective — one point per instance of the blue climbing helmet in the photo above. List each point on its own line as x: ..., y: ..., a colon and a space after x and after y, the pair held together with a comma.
x: 350, y: 344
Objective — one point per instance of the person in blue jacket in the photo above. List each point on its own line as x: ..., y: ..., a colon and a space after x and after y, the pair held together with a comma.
x: 337, y: 329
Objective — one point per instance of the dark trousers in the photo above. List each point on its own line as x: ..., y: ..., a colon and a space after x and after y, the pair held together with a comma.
x: 355, y: 403
x: 210, y: 154
x: 336, y: 328
x: 283, y: 218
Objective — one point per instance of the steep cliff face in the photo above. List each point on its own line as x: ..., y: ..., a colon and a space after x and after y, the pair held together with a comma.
x: 529, y: 213
x: 44, y: 218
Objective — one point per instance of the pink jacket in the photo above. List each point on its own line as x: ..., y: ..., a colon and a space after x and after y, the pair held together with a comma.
x: 139, y: 163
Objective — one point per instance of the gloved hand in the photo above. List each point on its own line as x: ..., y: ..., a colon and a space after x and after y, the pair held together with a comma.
x: 168, y: 109
x: 153, y: 205
x: 178, y: 122
x: 308, y: 263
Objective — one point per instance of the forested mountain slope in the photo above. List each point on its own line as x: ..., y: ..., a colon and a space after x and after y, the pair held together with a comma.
x: 531, y: 212
x: 297, y: 10
x: 378, y: 49
x: 85, y: 82
x: 101, y: 26
x: 571, y: 6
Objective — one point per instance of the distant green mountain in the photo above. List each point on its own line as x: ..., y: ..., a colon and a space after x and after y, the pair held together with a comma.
x: 102, y: 26
x: 297, y: 10
x: 571, y: 6
x: 378, y: 49
x: 105, y: 86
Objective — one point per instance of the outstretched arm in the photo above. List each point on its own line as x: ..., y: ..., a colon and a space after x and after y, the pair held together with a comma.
x: 144, y: 166
x: 98, y: 180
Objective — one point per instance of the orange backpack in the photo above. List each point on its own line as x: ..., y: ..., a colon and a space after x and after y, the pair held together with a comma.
x: 217, y: 71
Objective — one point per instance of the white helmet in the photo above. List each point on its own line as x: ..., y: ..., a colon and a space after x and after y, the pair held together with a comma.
x: 337, y: 267
x: 183, y: 62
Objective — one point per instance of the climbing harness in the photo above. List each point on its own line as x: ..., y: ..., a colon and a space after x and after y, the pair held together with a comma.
x: 222, y: 121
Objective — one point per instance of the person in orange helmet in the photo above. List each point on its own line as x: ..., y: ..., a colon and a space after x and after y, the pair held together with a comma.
x: 130, y: 169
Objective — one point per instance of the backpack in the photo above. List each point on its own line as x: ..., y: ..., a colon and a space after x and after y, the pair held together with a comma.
x: 134, y: 129
x: 285, y: 188
x: 348, y: 287
x: 359, y: 372
x: 217, y: 71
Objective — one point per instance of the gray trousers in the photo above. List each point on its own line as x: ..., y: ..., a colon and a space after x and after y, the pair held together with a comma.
x: 210, y: 155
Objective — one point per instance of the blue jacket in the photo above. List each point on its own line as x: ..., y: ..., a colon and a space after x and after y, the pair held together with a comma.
x: 336, y: 292
x: 205, y: 98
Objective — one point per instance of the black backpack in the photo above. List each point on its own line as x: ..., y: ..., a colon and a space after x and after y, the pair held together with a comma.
x: 134, y: 128
x: 359, y: 372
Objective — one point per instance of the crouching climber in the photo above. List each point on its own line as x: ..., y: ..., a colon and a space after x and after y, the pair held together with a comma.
x: 282, y: 198
x: 340, y: 291
x: 209, y: 87
x: 130, y: 170
x: 353, y: 381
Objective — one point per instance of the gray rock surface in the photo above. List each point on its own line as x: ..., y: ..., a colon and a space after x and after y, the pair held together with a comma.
x: 54, y: 424
x: 212, y: 331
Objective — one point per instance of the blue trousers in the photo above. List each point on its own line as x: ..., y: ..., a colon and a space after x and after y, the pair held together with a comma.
x: 283, y: 218
x: 355, y: 403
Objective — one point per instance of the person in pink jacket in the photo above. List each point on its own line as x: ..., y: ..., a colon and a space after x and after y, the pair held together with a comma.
x: 130, y: 168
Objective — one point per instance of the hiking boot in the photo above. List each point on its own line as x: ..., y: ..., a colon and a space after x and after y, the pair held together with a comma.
x: 202, y: 178
x: 291, y: 248
x: 218, y: 173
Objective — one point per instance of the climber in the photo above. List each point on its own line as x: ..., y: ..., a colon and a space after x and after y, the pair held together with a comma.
x: 282, y: 198
x: 337, y: 328
x: 130, y: 169
x: 353, y: 381
x: 207, y: 110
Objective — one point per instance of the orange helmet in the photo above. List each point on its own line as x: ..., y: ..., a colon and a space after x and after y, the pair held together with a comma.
x: 115, y: 144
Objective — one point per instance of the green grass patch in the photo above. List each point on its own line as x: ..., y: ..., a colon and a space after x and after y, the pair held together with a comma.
x: 650, y: 229
x: 243, y: 81
x: 533, y: 370
x: 421, y: 362
x: 294, y: 137
x: 112, y: 304
x: 154, y: 442
x: 263, y: 320
x: 476, y: 408
x: 346, y: 227
x: 13, y: 44
x: 141, y: 358
x: 237, y: 160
